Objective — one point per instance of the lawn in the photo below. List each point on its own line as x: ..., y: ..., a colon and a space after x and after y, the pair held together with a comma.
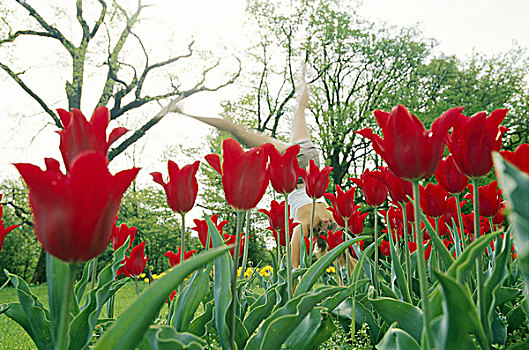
x: 13, y: 336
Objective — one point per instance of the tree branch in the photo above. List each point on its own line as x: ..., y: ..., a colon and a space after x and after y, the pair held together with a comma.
x: 12, y: 37
x: 54, y: 32
x: 23, y: 85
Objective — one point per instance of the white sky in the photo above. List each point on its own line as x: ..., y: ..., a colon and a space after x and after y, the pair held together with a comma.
x: 460, y: 26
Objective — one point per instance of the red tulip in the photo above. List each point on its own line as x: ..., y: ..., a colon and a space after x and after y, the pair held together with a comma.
x: 201, y: 226
x: 74, y: 213
x: 276, y: 215
x: 343, y: 202
x: 451, y: 211
x: 174, y: 259
x: 384, y: 248
x: 520, y: 157
x: 282, y: 233
x: 135, y: 263
x: 356, y: 222
x: 244, y: 174
x: 443, y: 229
x: 4, y: 230
x: 413, y: 247
x: 308, y: 245
x: 284, y: 169
x: 410, y: 212
x: 182, y: 187
x: 232, y: 239
x: 433, y: 200
x: 411, y: 151
x: 450, y: 177
x: 398, y: 188
x: 395, y: 217
x: 120, y: 235
x: 81, y: 135
x: 172, y: 295
x: 473, y: 139
x: 316, y: 180
x: 333, y: 239
x: 374, y: 190
x: 489, y: 198
x: 500, y: 215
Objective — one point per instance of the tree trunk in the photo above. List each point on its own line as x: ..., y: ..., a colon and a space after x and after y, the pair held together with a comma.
x: 39, y: 276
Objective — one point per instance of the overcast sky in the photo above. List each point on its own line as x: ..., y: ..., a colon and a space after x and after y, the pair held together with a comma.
x: 460, y: 26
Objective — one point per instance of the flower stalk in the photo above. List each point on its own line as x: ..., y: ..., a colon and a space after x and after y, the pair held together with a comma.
x: 375, y: 269
x: 240, y: 215
x: 421, y: 267
x: 246, y: 244
x: 311, y: 233
x: 64, y: 320
x: 479, y: 264
x: 288, y: 249
x: 406, y: 247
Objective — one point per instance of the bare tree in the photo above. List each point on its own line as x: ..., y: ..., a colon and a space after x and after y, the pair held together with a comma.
x: 122, y: 91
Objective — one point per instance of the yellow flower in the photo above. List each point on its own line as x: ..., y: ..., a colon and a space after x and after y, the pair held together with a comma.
x: 331, y: 269
x: 142, y: 275
x: 265, y: 271
x: 146, y: 280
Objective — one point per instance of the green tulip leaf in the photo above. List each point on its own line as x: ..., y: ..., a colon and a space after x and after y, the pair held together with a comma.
x: 399, y: 273
x: 315, y: 271
x: 80, y: 286
x: 498, y: 275
x: 516, y: 318
x: 221, y: 287
x: 272, y: 333
x: 505, y: 294
x: 439, y: 246
x: 312, y: 331
x: 404, y: 315
x: 30, y: 313
x: 515, y: 186
x: 344, y: 312
x: 460, y: 318
x: 167, y: 338
x: 397, y: 339
x: 190, y: 299
x: 461, y: 267
x: 129, y: 328
x: 499, y: 329
x: 261, y: 308
x: 199, y: 324
x: 83, y: 324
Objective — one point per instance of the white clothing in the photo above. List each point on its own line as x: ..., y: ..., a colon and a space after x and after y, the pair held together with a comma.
x: 297, y: 199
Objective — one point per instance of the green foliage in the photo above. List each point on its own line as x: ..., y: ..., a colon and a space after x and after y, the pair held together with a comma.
x: 21, y: 249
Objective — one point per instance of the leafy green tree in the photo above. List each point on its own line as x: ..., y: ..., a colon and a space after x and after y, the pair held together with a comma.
x: 21, y: 250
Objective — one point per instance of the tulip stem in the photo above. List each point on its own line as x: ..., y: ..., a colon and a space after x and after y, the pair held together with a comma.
x: 63, y: 338
x: 183, y: 238
x: 461, y: 226
x: 246, y: 244
x: 479, y: 264
x: 288, y: 248
x: 94, y: 273
x: 234, y: 277
x: 375, y: 269
x: 346, y: 231
x: 406, y: 247
x: 421, y: 267
x: 311, y: 234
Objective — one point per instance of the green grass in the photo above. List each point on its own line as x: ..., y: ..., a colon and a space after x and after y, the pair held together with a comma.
x: 12, y: 336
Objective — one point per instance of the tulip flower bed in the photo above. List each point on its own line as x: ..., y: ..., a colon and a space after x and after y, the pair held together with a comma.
x: 430, y: 276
